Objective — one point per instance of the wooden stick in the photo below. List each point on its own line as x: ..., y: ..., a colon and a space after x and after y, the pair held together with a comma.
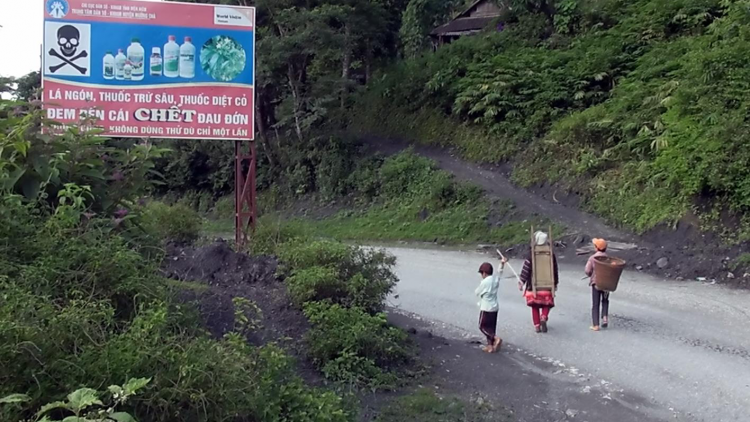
x: 552, y: 260
x: 533, y: 261
x: 511, y: 268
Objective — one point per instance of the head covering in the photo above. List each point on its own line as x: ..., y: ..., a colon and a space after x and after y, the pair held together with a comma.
x: 486, y: 268
x: 600, y: 244
x: 540, y: 238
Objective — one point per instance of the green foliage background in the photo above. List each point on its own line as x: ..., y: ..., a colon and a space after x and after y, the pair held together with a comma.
x: 82, y: 303
x: 639, y: 106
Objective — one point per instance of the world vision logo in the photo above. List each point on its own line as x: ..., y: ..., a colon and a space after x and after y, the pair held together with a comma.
x: 57, y: 8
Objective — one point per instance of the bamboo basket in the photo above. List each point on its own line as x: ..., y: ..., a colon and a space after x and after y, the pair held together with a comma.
x: 608, y: 271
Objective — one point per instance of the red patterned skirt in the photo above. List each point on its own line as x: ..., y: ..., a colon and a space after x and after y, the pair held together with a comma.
x: 542, y: 298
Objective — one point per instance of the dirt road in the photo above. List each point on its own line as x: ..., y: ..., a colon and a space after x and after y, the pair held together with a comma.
x: 497, y: 184
x: 674, y: 351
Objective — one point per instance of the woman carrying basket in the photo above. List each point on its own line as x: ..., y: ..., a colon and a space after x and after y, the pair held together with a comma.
x: 543, y: 300
x: 597, y: 295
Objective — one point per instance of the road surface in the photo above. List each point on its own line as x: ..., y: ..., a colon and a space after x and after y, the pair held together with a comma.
x: 684, y: 347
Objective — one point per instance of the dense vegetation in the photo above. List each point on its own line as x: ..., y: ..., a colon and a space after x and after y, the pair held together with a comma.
x: 636, y: 105
x: 83, y: 304
x: 639, y: 106
x: 342, y: 289
x: 84, y: 313
x: 404, y: 197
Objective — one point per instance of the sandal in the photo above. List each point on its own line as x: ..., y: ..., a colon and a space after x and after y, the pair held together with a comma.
x: 538, y: 329
x: 605, y: 322
x: 594, y: 328
x: 544, y: 326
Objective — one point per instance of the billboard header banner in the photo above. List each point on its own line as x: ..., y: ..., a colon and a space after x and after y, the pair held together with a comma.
x: 150, y: 69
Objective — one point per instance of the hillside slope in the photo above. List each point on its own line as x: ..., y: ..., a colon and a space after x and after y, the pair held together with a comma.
x: 638, y: 107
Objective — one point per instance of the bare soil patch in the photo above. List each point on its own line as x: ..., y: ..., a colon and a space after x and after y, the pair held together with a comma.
x: 227, y: 274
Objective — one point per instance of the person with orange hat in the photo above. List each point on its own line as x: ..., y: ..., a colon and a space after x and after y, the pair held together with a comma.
x: 598, y: 296
x: 488, y: 304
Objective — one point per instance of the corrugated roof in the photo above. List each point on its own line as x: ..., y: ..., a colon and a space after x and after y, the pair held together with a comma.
x: 463, y: 25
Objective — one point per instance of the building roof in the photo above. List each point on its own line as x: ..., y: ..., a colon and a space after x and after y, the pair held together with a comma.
x: 468, y: 22
x: 463, y: 25
x: 469, y: 9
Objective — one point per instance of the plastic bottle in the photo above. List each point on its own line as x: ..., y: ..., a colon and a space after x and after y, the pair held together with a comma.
x: 128, y: 71
x: 171, y: 58
x: 109, y: 66
x: 156, y: 63
x: 187, y: 59
x: 120, y: 61
x: 136, y: 57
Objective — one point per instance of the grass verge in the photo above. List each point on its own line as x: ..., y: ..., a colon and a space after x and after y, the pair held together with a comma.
x: 425, y: 405
x: 406, y: 198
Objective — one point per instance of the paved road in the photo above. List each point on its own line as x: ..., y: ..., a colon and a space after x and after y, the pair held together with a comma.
x: 684, y: 347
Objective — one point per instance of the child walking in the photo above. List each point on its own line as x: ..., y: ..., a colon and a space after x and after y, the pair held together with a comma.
x: 488, y: 304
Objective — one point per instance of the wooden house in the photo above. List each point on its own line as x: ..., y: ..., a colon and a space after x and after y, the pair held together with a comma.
x: 473, y: 20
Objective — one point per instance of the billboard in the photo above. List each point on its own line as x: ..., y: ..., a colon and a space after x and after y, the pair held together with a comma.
x: 150, y: 69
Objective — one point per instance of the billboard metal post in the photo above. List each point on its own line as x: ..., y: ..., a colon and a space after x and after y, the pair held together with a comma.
x: 245, y: 211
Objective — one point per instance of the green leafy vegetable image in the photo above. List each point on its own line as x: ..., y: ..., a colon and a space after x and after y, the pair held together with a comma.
x: 222, y: 58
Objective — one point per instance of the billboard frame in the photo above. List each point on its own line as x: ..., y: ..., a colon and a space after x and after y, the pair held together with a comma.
x: 245, y: 151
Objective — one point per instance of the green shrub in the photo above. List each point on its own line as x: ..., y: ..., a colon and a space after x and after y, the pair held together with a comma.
x: 316, y: 283
x: 272, y: 234
x: 106, y: 319
x: 81, y: 306
x: 365, y: 180
x: 38, y: 166
x: 342, y: 288
x: 177, y: 222
x: 350, y: 345
x: 347, y: 275
x: 741, y: 262
x: 197, y: 166
x: 199, y: 201
x: 301, y: 254
x: 224, y: 208
x: 406, y: 176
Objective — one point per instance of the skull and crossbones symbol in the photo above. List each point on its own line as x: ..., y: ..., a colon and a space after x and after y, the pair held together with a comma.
x: 68, y: 38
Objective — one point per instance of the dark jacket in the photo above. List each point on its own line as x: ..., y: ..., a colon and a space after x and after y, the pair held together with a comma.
x: 527, y: 272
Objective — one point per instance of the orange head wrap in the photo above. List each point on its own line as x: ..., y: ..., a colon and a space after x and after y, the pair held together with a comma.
x: 600, y: 244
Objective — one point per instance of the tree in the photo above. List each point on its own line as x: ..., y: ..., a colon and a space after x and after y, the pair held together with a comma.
x: 310, y: 55
x: 28, y: 86
x: 419, y: 18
